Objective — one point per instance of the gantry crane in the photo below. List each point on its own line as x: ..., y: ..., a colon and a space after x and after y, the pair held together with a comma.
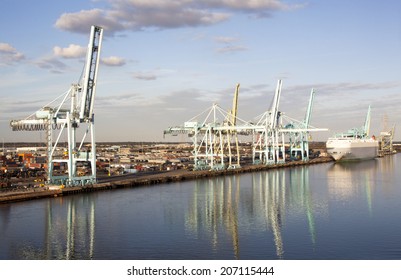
x: 232, y: 131
x: 73, y: 118
x: 206, y: 136
x: 268, y: 143
x: 386, y: 139
x: 299, y: 133
x: 212, y: 137
x: 274, y: 127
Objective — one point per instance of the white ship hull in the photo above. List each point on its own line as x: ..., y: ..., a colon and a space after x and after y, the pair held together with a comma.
x: 352, y: 149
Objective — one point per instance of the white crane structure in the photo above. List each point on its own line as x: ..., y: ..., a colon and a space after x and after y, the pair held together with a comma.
x: 386, y: 138
x: 299, y: 132
x: 206, y: 137
x: 274, y: 127
x: 233, y: 133
x: 72, y: 118
x: 268, y: 140
x: 215, y: 138
x: 386, y: 142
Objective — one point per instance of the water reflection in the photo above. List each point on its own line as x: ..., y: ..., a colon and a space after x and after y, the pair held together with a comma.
x: 67, y: 228
x: 347, y: 179
x: 269, y: 200
x: 256, y: 204
x: 215, y: 205
x: 306, y: 212
x: 301, y: 197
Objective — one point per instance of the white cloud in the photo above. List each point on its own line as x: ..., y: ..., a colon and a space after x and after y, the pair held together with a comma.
x: 230, y: 49
x: 344, y: 88
x: 252, y: 5
x: 72, y: 51
x: 9, y: 54
x: 230, y: 44
x: 52, y: 64
x: 153, y: 74
x: 137, y: 15
x: 148, y: 76
x: 226, y: 40
x: 81, y: 21
x: 113, y: 61
x: 7, y: 48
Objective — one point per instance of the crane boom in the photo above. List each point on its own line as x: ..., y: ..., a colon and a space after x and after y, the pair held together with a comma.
x: 235, y: 105
x: 366, y: 127
x: 309, y: 110
x: 274, y: 109
x: 90, y: 74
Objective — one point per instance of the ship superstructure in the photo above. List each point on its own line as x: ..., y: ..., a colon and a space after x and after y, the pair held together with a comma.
x: 355, y: 144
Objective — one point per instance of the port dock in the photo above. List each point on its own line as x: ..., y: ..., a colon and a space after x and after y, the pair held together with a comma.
x: 146, y: 179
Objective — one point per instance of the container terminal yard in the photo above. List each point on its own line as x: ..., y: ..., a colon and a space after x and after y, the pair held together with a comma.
x: 220, y: 142
x: 119, y: 165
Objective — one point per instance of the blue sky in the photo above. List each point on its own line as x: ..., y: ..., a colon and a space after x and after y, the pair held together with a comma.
x: 163, y: 62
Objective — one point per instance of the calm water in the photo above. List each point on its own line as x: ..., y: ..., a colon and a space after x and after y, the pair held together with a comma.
x: 325, y: 211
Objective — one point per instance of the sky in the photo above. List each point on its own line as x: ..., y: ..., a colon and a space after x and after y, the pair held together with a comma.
x: 164, y: 62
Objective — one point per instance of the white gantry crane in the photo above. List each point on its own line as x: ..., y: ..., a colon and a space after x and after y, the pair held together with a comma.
x: 231, y: 133
x: 73, y: 118
x: 386, y: 139
x: 214, y: 136
x: 269, y: 145
x: 299, y: 133
x: 215, y: 139
x: 268, y: 141
x: 206, y: 137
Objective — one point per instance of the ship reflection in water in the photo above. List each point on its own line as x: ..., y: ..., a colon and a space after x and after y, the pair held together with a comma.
x: 349, y: 179
x: 324, y: 211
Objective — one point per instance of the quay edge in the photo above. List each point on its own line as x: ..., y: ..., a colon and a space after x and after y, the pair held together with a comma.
x: 151, y: 179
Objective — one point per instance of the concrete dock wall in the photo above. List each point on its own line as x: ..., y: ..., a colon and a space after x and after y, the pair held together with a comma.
x: 151, y: 179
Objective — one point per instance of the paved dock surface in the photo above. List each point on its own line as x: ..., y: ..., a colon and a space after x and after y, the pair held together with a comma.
x: 145, y: 178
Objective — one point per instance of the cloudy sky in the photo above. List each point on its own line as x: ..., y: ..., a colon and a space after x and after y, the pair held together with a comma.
x: 166, y: 61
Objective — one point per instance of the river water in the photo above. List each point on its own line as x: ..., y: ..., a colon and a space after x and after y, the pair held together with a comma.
x: 326, y: 211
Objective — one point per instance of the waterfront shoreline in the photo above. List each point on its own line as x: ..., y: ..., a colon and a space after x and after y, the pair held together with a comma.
x: 150, y: 179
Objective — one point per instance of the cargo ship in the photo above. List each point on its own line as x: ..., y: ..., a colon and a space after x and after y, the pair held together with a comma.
x: 355, y: 144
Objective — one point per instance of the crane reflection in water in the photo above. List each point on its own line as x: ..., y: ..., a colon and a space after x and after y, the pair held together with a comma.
x: 226, y: 205
x: 69, y: 231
